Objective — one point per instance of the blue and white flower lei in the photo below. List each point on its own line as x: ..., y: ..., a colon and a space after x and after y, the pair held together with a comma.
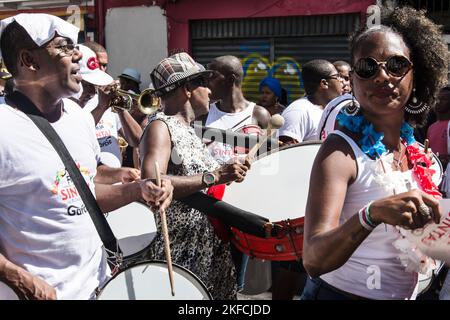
x: 371, y: 142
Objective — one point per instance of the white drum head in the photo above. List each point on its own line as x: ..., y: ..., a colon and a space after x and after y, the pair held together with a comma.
x: 134, y: 227
x: 277, y: 185
x: 150, y: 281
x: 6, y: 293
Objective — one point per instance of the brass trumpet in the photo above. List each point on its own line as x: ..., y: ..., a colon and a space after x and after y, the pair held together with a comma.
x: 147, y: 101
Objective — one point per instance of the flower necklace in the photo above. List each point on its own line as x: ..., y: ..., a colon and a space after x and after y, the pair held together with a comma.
x: 371, y: 144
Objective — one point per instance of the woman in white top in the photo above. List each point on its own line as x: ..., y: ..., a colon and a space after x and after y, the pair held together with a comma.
x: 370, y: 176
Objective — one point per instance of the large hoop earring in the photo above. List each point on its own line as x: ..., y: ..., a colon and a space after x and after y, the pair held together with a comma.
x: 414, y: 106
x: 352, y: 108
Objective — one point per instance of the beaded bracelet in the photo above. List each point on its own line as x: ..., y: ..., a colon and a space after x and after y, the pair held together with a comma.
x: 364, y: 218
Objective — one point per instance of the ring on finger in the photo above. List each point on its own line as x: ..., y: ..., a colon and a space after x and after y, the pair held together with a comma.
x: 424, y: 210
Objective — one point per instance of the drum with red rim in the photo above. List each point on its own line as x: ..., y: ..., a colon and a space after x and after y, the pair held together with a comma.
x: 276, y: 187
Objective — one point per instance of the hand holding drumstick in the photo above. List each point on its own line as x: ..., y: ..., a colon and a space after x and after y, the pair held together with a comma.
x: 165, y: 233
x: 275, y: 123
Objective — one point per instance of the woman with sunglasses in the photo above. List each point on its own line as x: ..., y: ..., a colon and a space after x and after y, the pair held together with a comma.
x: 370, y: 177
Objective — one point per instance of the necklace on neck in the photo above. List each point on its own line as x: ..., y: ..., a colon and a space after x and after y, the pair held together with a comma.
x: 371, y: 143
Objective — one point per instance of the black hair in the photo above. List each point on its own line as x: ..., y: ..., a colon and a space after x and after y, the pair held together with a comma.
x: 313, y: 72
x: 14, y: 38
x: 94, y: 46
x: 429, y: 52
x: 341, y: 63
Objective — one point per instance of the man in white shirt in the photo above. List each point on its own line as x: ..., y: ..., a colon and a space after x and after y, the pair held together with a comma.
x: 230, y: 110
x: 49, y: 247
x: 322, y: 84
x: 109, y: 125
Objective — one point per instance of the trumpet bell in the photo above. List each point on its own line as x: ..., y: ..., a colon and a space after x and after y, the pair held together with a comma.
x: 148, y: 102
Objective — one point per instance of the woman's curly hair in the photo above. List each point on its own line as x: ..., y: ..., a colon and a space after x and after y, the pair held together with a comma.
x: 429, y: 52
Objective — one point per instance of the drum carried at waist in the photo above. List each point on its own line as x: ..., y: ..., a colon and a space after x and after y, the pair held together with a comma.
x: 148, y: 280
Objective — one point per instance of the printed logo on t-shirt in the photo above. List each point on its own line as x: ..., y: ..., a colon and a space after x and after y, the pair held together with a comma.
x: 64, y: 187
x: 104, y: 142
x: 103, y: 129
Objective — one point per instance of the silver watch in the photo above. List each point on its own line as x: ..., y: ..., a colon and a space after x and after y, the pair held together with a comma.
x: 209, y: 179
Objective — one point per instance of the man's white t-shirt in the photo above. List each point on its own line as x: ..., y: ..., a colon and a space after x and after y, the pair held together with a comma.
x: 107, y: 135
x: 223, y: 152
x: 44, y: 225
x: 301, y: 120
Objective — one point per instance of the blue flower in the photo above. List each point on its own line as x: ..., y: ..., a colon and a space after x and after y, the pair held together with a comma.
x: 371, y: 142
x: 407, y: 133
x: 352, y: 123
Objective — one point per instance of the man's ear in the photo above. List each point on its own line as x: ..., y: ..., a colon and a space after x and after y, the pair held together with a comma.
x: 27, y: 60
x: 323, y: 84
x: 231, y: 79
x: 350, y: 76
x: 187, y: 91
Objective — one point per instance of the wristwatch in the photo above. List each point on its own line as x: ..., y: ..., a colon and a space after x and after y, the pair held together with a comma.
x: 209, y: 179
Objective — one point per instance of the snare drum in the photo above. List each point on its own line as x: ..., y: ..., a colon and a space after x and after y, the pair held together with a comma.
x: 426, y: 280
x: 134, y: 227
x: 276, y: 187
x: 150, y: 281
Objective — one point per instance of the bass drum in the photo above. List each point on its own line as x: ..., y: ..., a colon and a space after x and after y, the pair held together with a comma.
x: 281, y: 180
x: 150, y: 281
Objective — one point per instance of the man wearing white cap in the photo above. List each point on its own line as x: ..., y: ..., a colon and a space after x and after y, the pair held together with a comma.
x: 108, y: 124
x: 49, y: 247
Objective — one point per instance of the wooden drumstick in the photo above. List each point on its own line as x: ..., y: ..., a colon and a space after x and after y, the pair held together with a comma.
x: 426, y: 144
x: 275, y: 123
x: 165, y: 232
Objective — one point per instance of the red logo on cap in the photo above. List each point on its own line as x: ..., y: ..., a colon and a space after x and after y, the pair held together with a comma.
x: 93, y: 64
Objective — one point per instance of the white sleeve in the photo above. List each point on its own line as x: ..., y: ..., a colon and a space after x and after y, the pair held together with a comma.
x: 118, y: 122
x: 295, y: 125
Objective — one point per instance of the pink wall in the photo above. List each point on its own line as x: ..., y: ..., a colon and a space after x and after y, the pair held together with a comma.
x: 179, y: 12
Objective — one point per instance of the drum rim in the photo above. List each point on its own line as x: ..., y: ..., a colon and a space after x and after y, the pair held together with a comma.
x: 289, y: 146
x: 156, y: 261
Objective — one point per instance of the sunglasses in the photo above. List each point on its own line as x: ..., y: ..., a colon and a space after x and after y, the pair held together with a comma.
x: 396, y: 66
x: 199, y: 82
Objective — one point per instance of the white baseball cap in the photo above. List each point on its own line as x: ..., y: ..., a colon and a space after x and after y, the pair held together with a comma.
x: 42, y: 27
x: 90, y: 68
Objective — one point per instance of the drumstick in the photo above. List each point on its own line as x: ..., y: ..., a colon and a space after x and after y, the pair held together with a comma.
x: 165, y: 233
x: 426, y: 144
x: 276, y: 122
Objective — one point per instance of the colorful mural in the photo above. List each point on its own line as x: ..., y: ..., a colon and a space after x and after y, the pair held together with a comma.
x: 257, y: 66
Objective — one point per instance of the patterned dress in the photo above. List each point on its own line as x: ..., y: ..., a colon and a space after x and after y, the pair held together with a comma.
x: 194, y: 245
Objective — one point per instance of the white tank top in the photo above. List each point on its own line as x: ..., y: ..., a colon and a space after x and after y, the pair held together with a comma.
x: 227, y: 121
x: 374, y: 270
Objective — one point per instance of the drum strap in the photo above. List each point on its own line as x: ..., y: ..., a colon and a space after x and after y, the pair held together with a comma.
x: 24, y: 104
x: 230, y: 215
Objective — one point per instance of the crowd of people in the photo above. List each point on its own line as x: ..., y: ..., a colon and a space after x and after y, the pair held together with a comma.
x: 366, y: 111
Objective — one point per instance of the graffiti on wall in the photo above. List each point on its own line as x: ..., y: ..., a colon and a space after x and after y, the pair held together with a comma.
x: 257, y: 66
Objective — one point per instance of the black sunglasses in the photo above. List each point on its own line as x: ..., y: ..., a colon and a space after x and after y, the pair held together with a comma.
x: 199, y: 82
x: 396, y: 66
